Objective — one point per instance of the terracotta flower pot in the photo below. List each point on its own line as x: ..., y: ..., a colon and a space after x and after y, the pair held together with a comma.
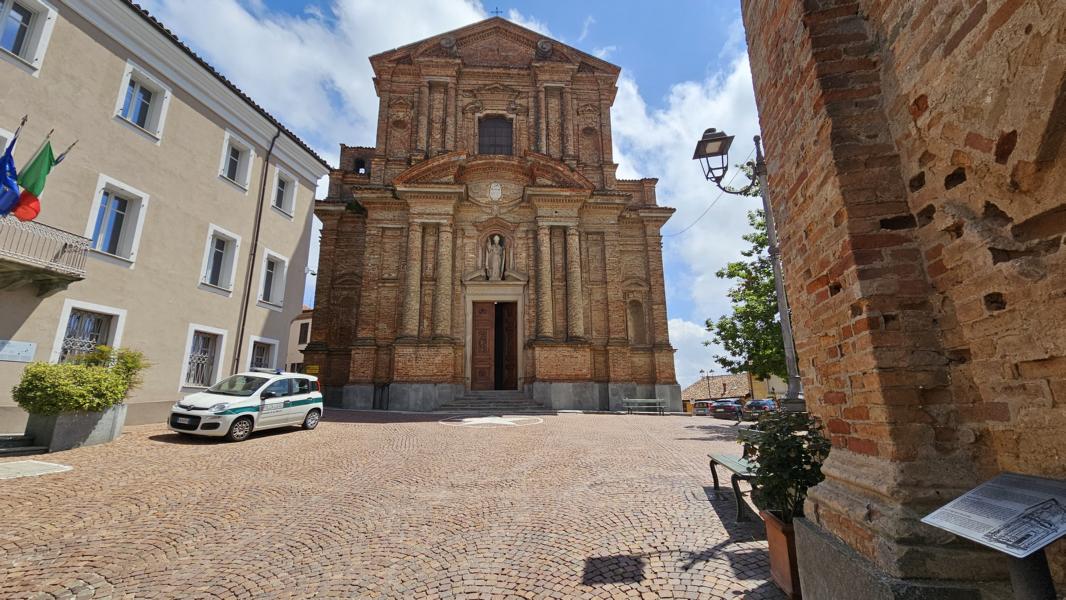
x: 783, y: 566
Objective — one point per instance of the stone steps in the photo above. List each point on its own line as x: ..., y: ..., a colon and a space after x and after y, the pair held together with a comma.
x: 493, y: 401
x: 22, y: 451
x: 19, y: 445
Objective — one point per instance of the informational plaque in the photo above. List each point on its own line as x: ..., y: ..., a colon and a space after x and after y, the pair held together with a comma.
x: 1015, y: 514
x: 311, y: 369
x: 15, y: 351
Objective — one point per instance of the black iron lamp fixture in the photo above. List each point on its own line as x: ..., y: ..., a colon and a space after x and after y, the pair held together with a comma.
x: 713, y: 153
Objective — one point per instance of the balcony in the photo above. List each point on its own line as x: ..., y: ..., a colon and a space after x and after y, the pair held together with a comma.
x: 32, y: 254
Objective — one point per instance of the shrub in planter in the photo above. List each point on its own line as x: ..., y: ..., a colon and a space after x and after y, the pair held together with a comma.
x: 50, y: 389
x: 787, y: 454
x: 81, y: 402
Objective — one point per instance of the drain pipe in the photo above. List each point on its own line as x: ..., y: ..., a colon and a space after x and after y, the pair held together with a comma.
x: 252, y: 253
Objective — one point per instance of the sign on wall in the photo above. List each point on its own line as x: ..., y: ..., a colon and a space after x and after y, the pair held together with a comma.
x: 15, y: 351
x: 1015, y: 514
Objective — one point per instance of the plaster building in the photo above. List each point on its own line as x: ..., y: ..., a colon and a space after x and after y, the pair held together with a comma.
x: 484, y: 243
x: 916, y: 172
x: 299, y: 336
x: 148, y: 234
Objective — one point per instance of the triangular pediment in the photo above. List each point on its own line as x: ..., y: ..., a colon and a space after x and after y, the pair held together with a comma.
x: 494, y: 42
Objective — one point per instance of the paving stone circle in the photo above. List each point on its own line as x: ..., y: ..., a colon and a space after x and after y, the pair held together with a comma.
x: 373, y: 505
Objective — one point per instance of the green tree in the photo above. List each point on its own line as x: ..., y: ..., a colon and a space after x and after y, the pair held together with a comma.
x: 751, y: 335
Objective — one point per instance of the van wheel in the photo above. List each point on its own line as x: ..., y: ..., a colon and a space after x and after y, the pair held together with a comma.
x: 239, y: 430
x: 312, y: 419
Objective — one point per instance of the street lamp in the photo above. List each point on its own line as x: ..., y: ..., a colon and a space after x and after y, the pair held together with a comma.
x: 707, y: 380
x: 712, y: 150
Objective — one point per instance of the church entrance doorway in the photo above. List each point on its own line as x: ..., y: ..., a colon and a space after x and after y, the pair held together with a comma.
x: 494, y: 356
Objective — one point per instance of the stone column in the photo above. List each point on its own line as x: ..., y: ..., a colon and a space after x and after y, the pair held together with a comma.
x: 449, y: 116
x: 542, y: 121
x: 413, y: 286
x: 575, y: 305
x: 442, y: 299
x: 545, y: 315
x: 422, y: 144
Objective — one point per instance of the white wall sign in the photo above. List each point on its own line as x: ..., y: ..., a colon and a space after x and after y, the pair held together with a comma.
x: 1015, y: 514
x: 15, y: 351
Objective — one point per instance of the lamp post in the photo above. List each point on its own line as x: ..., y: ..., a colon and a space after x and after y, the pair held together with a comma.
x: 706, y: 380
x: 713, y: 153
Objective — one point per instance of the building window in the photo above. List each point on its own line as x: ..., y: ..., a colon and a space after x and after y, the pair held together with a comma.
x: 262, y: 354
x: 220, y: 258
x: 25, y: 28
x: 494, y: 136
x: 236, y: 164
x: 305, y: 332
x: 85, y: 331
x: 142, y: 101
x: 117, y: 219
x: 16, y: 28
x: 82, y: 326
x: 360, y: 167
x: 200, y: 367
x: 284, y: 192
x: 272, y: 284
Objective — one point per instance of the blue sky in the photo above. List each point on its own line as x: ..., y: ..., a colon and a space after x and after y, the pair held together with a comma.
x: 684, y: 68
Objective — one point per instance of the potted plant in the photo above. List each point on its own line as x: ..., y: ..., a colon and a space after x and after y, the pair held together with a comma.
x: 79, y: 403
x: 786, y: 455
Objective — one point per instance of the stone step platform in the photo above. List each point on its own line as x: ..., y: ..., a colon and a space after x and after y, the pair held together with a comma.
x: 19, y: 445
x: 14, y: 441
x: 23, y: 451
x: 492, y: 401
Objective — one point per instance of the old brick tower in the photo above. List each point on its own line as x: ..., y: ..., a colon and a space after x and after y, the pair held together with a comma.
x: 484, y: 243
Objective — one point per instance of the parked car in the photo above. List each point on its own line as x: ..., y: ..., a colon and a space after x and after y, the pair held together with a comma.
x: 246, y: 402
x: 754, y: 408
x: 726, y: 409
x: 701, y: 408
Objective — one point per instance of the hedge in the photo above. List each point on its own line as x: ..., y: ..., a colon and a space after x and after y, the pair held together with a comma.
x: 50, y: 389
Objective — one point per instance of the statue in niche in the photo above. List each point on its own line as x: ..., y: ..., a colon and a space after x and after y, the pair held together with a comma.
x: 494, y: 261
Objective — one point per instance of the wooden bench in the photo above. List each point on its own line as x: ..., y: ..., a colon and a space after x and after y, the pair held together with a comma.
x: 644, y: 405
x: 739, y: 467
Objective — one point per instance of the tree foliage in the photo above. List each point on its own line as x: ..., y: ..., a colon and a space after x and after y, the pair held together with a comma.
x: 751, y: 335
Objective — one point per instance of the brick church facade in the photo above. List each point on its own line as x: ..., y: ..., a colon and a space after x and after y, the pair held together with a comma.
x: 484, y: 243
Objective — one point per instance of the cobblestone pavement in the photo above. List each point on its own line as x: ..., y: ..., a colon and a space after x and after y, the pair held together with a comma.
x: 371, y: 505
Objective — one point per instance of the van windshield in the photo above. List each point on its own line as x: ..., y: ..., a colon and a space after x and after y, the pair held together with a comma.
x: 238, y: 385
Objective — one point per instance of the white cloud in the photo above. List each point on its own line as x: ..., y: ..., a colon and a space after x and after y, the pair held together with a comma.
x: 688, y: 338
x: 529, y: 22
x: 589, y: 22
x: 604, y: 52
x: 659, y: 143
x: 309, y: 71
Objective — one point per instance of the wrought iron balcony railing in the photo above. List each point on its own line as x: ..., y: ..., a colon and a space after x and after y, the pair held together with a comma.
x: 31, y: 252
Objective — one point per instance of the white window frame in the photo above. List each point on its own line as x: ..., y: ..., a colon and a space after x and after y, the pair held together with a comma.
x: 118, y: 324
x: 219, y: 355
x: 252, y: 339
x: 277, y: 285
x: 214, y: 231
x: 288, y: 208
x: 133, y: 239
x: 40, y: 33
x: 157, y: 114
x: 244, y: 179
x: 5, y: 139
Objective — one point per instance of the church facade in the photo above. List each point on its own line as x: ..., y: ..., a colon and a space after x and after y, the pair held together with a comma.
x: 484, y: 243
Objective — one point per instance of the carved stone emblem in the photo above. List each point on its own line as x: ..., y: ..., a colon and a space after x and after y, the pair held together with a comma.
x: 495, y: 191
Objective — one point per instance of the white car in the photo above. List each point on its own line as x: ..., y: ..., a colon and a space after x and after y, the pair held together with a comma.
x: 246, y: 402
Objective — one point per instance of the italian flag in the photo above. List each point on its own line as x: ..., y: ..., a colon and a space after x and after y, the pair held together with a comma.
x: 31, y: 179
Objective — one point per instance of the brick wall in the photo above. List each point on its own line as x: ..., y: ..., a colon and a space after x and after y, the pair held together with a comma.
x: 915, y: 170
